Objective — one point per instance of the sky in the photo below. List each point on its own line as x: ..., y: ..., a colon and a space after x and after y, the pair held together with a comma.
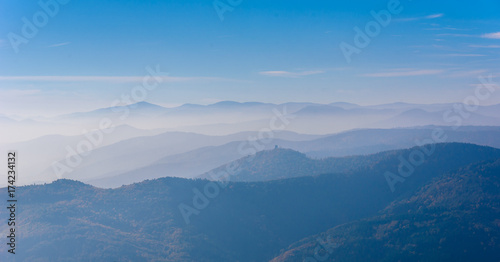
x: 87, y: 54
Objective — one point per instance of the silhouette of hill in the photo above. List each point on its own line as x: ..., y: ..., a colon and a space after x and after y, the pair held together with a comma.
x: 237, y: 221
x: 452, y: 218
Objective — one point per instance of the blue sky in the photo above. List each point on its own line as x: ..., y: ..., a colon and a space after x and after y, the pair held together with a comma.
x: 91, y: 52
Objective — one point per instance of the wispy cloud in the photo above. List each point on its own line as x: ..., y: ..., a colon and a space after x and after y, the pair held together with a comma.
x: 458, y: 35
x: 116, y: 79
x: 495, y: 35
x: 496, y: 86
x: 469, y: 73
x: 290, y: 74
x: 400, y: 73
x: 19, y: 92
x: 485, y: 46
x: 463, y: 55
x: 445, y: 28
x: 432, y: 16
x: 60, y: 44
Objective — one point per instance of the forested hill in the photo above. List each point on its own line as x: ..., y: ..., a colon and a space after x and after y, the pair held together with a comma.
x: 453, y: 218
x: 238, y: 221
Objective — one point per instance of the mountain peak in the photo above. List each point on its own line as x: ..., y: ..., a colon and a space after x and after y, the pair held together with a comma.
x: 144, y: 104
x: 344, y: 105
x: 279, y: 151
x: 68, y: 182
x: 226, y: 103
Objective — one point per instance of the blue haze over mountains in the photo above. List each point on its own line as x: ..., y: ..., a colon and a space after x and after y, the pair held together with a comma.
x: 319, y: 182
x: 250, y: 131
x: 156, y: 138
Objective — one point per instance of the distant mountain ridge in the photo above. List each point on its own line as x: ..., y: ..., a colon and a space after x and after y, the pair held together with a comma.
x: 357, y: 142
x: 285, y: 163
x: 228, y: 117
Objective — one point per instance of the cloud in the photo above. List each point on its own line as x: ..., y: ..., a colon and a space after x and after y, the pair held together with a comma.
x: 464, y: 55
x: 290, y: 74
x: 432, y: 16
x: 485, y: 46
x: 8, y: 95
x: 494, y: 85
x: 470, y: 73
x: 443, y: 28
x: 495, y: 35
x: 457, y: 35
x: 116, y: 79
x: 400, y: 73
x: 19, y: 92
x: 60, y: 44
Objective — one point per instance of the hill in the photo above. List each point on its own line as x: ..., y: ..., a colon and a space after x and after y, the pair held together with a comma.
x: 285, y: 163
x: 238, y: 221
x: 356, y: 142
x: 452, y: 218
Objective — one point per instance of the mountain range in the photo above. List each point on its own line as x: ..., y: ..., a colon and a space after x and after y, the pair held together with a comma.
x: 129, y: 155
x: 451, y: 195
x: 202, y: 160
x: 228, y: 117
